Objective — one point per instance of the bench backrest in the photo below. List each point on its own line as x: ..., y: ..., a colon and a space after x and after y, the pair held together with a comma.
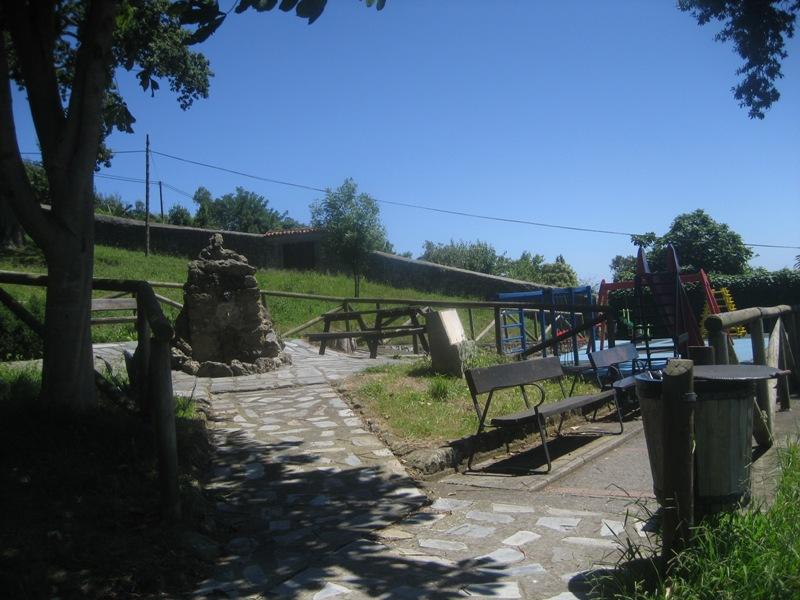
x: 485, y: 379
x: 613, y: 356
x: 99, y: 304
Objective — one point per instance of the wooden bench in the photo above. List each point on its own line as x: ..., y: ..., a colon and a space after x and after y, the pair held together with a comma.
x: 383, y: 328
x: 606, y: 367
x: 524, y: 374
x: 113, y: 304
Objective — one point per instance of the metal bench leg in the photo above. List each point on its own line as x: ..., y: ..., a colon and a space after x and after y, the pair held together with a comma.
x: 619, y: 414
x: 480, y: 428
x: 543, y: 435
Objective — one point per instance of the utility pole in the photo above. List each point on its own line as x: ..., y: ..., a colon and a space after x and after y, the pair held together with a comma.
x: 161, y: 200
x: 147, y: 195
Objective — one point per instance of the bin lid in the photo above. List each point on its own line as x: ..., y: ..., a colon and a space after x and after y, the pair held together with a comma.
x: 736, y: 372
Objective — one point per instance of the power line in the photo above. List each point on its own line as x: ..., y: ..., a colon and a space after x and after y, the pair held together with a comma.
x: 430, y: 208
x: 390, y: 202
x: 242, y: 174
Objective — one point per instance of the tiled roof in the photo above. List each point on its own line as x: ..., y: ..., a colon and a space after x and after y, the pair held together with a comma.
x: 298, y: 231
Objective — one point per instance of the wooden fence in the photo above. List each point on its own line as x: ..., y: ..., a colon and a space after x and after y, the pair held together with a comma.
x: 153, y: 371
x: 779, y: 351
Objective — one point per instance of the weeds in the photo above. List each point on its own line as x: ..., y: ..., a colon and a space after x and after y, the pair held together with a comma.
x: 753, y: 553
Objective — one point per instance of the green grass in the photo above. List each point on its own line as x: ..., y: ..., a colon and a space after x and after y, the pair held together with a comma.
x: 753, y: 554
x: 415, y: 403
x: 79, y: 491
x: 287, y: 313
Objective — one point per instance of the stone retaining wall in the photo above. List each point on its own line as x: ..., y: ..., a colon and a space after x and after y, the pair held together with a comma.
x: 268, y: 251
x: 431, y: 277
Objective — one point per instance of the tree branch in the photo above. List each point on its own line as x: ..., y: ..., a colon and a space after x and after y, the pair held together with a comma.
x: 32, y: 29
x: 84, y: 125
x: 15, y: 188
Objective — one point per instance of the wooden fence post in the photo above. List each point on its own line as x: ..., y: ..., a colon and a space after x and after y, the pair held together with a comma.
x: 719, y: 341
x: 471, y: 325
x: 498, y: 331
x: 142, y: 356
x: 701, y: 355
x: 162, y: 404
x: 677, y: 397
x: 762, y: 428
x: 783, y: 361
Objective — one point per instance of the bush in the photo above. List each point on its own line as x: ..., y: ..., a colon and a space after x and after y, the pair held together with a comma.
x: 757, y: 288
x: 17, y: 340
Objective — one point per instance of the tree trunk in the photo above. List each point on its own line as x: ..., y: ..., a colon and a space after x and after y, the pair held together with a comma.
x: 11, y: 234
x: 68, y: 366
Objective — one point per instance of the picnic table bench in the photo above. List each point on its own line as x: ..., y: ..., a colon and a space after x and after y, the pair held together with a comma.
x: 384, y: 327
x: 529, y: 373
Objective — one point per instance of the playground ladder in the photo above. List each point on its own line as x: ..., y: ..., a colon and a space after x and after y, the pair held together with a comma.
x: 724, y: 301
x: 512, y: 319
x: 671, y: 301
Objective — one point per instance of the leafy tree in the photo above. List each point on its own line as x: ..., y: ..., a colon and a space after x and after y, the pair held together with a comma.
x: 759, y: 30
x: 702, y: 243
x: 479, y: 256
x: 623, y: 268
x: 558, y: 273
x: 64, y: 54
x: 111, y: 204
x: 241, y: 211
x: 528, y: 267
x: 179, y: 215
x: 353, y: 227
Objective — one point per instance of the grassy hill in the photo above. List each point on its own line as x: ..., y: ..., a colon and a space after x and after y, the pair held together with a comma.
x: 286, y: 312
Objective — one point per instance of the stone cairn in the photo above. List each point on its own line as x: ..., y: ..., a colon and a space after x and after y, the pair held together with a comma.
x: 223, y: 328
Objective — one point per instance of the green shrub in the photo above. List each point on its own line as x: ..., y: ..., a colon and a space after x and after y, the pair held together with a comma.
x: 20, y: 385
x: 17, y: 340
x: 757, y: 288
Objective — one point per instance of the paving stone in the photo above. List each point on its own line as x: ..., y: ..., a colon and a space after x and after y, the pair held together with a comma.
x: 254, y: 471
x: 512, y: 508
x: 449, y: 504
x: 493, y: 590
x: 559, y: 523
x: 353, y: 460
x: 394, y: 533
x: 255, y: 575
x: 442, y: 545
x: 488, y: 517
x: 521, y: 538
x: 611, y: 528
x: 331, y: 590
x: 471, y: 530
x: 503, y: 556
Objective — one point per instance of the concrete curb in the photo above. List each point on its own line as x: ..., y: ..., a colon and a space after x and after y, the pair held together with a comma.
x: 584, y: 456
x: 438, y: 463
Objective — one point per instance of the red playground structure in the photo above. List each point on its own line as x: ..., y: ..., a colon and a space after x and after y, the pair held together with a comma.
x: 669, y: 299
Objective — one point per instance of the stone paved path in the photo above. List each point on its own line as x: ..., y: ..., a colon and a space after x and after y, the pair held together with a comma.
x: 319, y: 508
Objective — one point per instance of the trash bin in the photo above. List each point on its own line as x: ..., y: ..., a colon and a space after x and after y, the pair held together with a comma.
x: 723, y: 426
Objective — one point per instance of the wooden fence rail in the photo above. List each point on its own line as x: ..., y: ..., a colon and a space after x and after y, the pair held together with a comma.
x: 779, y: 350
x: 153, y: 370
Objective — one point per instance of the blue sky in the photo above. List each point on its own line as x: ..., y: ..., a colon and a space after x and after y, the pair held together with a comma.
x: 612, y: 115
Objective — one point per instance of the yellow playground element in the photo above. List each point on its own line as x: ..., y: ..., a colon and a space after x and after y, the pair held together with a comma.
x: 726, y: 304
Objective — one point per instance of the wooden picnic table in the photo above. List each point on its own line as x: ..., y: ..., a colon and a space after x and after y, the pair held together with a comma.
x: 384, y: 326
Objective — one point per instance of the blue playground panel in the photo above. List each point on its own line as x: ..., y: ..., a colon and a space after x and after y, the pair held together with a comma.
x: 574, y: 295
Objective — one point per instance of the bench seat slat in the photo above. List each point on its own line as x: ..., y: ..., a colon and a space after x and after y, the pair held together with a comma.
x: 383, y: 333
x: 626, y: 383
x: 574, y: 402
